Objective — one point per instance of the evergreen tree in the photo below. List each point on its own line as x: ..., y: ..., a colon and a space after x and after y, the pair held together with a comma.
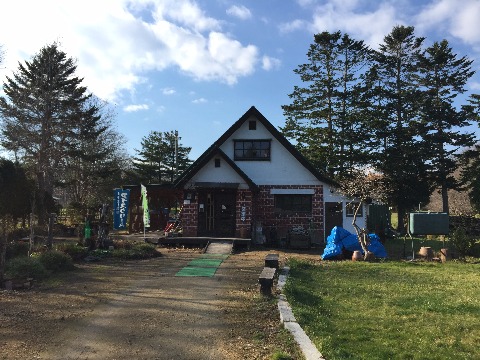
x: 15, y: 197
x: 95, y: 158
x: 158, y: 161
x: 325, y: 117
x: 400, y: 156
x: 44, y: 103
x: 444, y: 77
x: 470, y: 159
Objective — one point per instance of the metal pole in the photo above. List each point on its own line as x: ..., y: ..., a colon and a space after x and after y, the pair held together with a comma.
x: 176, y: 154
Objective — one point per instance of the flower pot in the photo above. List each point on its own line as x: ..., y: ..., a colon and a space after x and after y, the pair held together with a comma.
x: 357, y: 256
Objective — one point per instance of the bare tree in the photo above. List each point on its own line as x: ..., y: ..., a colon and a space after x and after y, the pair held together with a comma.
x: 363, y: 187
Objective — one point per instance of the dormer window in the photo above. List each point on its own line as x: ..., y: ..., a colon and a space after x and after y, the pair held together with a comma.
x: 252, y: 125
x: 257, y: 150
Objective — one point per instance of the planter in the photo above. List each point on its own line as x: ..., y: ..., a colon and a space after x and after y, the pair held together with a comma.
x: 357, y: 256
x: 444, y: 255
x: 426, y: 252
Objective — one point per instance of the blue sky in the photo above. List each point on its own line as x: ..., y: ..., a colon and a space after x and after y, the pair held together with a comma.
x: 196, y: 66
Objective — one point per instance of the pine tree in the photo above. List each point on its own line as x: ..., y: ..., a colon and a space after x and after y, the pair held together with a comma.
x: 444, y: 77
x: 158, y: 161
x: 401, y: 156
x: 44, y: 103
x: 95, y: 158
x: 325, y: 116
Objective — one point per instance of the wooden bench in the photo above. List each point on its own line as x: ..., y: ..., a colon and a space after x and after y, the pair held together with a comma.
x: 271, y: 260
x: 266, y: 280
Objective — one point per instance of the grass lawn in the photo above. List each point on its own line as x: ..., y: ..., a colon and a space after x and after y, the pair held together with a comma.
x: 389, y: 309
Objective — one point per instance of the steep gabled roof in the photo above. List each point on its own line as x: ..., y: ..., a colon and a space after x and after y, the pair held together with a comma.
x: 214, y: 149
x: 212, y: 152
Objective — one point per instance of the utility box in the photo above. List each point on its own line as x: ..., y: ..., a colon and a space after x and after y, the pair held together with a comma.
x: 423, y: 223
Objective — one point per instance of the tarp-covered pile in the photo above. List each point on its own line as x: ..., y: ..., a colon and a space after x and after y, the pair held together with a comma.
x: 340, y: 239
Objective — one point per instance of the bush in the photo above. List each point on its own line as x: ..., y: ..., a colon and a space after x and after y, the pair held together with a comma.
x: 56, y: 261
x: 25, y: 267
x: 19, y: 233
x: 462, y: 242
x: 138, y: 251
x: 15, y: 249
x: 75, y: 251
x: 123, y: 244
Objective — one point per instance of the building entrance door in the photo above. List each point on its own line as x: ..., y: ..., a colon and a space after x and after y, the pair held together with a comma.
x: 333, y: 216
x: 216, y: 215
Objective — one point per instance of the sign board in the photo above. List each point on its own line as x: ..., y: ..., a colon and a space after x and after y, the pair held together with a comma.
x: 424, y: 223
x: 120, y: 208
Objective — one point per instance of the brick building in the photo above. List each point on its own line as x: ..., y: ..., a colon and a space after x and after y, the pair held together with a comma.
x: 253, y: 183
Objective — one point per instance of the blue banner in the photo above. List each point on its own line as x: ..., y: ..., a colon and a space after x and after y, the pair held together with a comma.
x: 120, y: 208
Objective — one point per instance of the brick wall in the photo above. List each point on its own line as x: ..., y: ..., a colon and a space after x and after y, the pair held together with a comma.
x: 189, y: 218
x: 278, y: 224
x: 244, y: 214
x: 259, y: 208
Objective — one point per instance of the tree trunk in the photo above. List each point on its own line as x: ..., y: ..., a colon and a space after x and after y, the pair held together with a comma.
x: 3, y: 250
x: 445, y: 197
x: 401, y: 222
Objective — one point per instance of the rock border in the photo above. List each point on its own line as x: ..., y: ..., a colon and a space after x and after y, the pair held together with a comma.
x: 290, y: 323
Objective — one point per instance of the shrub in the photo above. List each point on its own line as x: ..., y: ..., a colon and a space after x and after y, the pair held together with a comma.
x: 18, y: 234
x: 15, y: 249
x: 138, y: 251
x: 123, y: 244
x: 462, y: 242
x: 25, y: 267
x: 56, y: 261
x: 75, y: 251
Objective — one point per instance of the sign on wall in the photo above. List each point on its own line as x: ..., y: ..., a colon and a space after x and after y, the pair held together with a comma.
x: 120, y: 208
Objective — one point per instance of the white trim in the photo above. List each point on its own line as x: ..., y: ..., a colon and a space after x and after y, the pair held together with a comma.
x: 292, y: 191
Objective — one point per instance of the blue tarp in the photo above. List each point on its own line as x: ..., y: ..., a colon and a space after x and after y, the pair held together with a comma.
x: 340, y: 239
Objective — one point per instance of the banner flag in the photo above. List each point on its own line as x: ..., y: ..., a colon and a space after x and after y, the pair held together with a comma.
x: 146, y: 213
x: 120, y: 208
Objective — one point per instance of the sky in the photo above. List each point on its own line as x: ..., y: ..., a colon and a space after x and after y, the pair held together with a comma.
x: 196, y: 66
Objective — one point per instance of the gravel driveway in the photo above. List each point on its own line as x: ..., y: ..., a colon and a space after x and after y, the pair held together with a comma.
x: 141, y: 310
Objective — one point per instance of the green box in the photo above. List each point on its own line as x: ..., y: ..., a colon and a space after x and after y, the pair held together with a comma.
x: 424, y: 223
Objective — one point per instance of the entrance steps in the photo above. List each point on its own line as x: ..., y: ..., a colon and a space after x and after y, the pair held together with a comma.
x: 219, y: 247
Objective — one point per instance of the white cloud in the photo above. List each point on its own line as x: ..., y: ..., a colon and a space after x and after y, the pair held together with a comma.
x: 240, y: 12
x: 168, y: 91
x: 460, y: 19
x: 116, y: 44
x: 269, y: 63
x: 200, y: 101
x: 134, y: 108
x: 350, y: 17
x: 291, y: 26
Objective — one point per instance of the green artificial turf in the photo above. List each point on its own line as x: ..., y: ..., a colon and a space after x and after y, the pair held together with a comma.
x: 205, y: 266
x: 197, y: 271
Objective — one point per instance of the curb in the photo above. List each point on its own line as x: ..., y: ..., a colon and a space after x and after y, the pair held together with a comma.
x: 290, y: 323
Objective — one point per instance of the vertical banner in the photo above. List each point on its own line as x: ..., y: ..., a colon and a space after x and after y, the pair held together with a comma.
x: 146, y: 213
x: 120, y: 208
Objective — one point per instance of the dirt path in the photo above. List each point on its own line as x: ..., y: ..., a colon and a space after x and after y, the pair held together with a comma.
x: 140, y: 310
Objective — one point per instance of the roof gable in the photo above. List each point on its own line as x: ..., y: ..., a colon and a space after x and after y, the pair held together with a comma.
x: 215, y: 149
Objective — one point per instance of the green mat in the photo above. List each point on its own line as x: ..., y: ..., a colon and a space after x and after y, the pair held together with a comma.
x: 197, y: 271
x: 206, y: 265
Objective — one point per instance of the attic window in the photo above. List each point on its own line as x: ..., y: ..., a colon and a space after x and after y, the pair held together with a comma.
x: 217, y: 162
x: 252, y: 125
x: 257, y: 150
